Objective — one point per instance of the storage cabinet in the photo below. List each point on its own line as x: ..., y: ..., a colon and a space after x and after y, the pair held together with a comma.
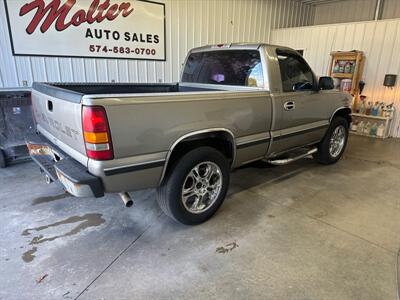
x: 348, y: 65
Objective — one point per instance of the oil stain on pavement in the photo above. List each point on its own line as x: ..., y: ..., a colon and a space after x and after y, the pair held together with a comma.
x: 46, y: 199
x: 227, y: 248
x: 83, y: 222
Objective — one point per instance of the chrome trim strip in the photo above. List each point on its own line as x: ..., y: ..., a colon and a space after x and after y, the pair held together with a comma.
x: 218, y: 87
x: 253, y: 143
x: 185, y: 136
x: 290, y: 132
x: 252, y: 140
x: 115, y: 99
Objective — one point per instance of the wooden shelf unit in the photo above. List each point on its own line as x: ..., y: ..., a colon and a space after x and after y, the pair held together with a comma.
x: 387, y: 121
x: 354, y: 56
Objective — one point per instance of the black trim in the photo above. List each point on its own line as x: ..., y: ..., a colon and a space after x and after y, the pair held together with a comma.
x: 134, y: 168
x: 73, y: 92
x: 252, y: 143
x: 93, y: 57
x: 299, y: 132
x: 78, y: 174
x: 57, y: 92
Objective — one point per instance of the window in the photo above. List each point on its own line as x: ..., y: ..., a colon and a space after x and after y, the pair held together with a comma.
x: 296, y: 75
x: 227, y: 67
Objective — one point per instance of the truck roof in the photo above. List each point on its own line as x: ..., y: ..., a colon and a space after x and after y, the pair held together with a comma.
x: 237, y: 46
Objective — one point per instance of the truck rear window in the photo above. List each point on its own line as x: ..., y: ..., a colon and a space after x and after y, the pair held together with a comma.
x: 226, y: 67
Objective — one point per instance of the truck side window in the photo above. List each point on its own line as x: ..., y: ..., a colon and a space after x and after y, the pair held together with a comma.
x: 227, y: 67
x: 296, y: 75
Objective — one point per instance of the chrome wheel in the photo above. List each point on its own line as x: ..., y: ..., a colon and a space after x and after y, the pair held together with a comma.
x: 337, y: 141
x: 202, y: 187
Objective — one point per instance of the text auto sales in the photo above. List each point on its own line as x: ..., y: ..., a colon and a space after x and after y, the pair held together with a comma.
x: 127, y: 36
x: 55, y: 13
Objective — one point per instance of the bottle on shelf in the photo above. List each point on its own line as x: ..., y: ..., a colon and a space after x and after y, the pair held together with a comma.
x: 389, y: 110
x: 354, y: 125
x: 341, y: 67
x: 381, y: 111
x: 360, y: 127
x: 345, y: 85
x: 362, y: 107
x: 336, y: 67
x: 368, y: 108
x: 367, y: 128
x: 380, y: 130
x: 353, y: 67
x: 375, y: 109
x: 347, y: 67
x: 374, y: 129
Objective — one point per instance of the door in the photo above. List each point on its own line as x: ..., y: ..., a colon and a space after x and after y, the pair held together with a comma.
x: 300, y: 106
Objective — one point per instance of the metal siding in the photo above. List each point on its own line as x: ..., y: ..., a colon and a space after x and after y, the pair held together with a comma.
x: 391, y: 9
x: 379, y: 40
x: 344, y: 11
x: 189, y: 23
x: 354, y: 11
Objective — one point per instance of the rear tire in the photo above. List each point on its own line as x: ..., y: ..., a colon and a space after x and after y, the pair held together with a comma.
x: 2, y: 159
x: 331, y: 148
x: 201, y: 175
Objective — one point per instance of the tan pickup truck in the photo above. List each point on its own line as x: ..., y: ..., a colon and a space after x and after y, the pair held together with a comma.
x: 235, y: 104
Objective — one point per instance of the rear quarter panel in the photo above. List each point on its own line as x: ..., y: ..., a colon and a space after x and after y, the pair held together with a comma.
x: 148, y: 124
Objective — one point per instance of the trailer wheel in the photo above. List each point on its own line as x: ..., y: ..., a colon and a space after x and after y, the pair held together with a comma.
x: 2, y: 159
x: 195, y: 187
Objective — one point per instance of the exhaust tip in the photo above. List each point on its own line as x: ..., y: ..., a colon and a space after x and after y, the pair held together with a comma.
x: 126, y: 199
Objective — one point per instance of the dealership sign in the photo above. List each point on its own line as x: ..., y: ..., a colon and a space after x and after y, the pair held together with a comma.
x: 132, y: 29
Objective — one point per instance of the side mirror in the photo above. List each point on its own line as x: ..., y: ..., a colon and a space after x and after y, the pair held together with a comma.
x: 325, y: 83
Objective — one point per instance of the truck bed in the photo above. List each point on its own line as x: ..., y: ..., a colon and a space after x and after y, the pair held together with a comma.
x: 74, y: 91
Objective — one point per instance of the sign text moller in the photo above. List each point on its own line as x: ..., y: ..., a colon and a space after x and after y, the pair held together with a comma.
x: 87, y: 28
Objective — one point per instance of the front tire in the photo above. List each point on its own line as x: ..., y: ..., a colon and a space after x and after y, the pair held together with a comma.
x: 331, y: 148
x: 195, y: 186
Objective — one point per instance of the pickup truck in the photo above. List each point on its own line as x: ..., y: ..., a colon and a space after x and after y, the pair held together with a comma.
x: 234, y: 104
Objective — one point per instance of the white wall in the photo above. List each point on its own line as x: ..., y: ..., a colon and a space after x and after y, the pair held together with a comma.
x: 189, y: 23
x: 380, y: 41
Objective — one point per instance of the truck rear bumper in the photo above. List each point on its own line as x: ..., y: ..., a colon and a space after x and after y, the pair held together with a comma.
x: 61, y: 168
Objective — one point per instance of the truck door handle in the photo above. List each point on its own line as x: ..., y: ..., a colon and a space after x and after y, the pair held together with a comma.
x: 289, y: 105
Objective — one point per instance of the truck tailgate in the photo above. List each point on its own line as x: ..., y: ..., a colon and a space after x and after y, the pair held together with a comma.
x: 60, y: 121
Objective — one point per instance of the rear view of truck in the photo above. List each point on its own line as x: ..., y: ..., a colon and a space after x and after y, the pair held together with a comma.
x: 70, y: 134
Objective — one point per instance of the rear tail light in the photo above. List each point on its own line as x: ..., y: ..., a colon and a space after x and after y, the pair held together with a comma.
x: 96, y: 133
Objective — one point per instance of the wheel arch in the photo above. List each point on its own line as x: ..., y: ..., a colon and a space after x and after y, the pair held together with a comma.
x: 344, y: 112
x: 221, y: 139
